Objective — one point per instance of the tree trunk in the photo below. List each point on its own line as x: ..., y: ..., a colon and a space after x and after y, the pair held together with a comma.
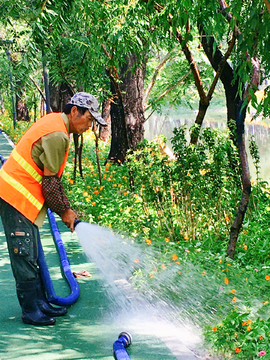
x: 226, y: 77
x: 234, y: 112
x: 119, y: 142
x: 238, y: 222
x: 127, y: 115
x: 2, y: 107
x: 59, y: 96
x: 105, y: 131
x: 21, y: 107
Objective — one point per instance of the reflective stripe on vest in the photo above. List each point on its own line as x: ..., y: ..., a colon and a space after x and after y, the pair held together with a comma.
x: 27, y: 167
x: 19, y: 187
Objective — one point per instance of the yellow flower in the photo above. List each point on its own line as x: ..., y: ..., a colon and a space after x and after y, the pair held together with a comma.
x: 93, y: 203
x: 167, y: 239
x: 245, y: 247
x: 248, y: 328
x: 234, y: 299
x: 174, y: 257
x: 202, y: 172
x: 186, y: 237
x: 226, y: 281
x: 267, y: 277
x: 203, y: 273
x: 148, y: 241
x: 85, y: 193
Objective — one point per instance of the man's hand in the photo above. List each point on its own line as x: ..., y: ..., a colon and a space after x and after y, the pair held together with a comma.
x: 68, y: 217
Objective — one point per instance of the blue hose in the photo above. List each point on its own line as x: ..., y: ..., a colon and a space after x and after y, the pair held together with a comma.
x: 74, y: 287
x: 119, y: 351
x: 2, y: 159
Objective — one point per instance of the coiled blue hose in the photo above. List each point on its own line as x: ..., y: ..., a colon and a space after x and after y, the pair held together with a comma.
x: 74, y: 287
x: 119, y: 351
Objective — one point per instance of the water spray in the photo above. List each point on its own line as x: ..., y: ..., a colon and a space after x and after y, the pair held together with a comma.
x: 120, y: 345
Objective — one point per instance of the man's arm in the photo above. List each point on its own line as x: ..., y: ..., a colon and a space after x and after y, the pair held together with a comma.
x: 56, y: 199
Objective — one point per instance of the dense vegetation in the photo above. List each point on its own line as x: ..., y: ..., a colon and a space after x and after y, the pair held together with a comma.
x: 181, y: 211
x: 137, y: 57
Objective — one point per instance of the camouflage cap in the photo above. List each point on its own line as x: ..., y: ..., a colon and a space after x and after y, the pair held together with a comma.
x: 88, y: 101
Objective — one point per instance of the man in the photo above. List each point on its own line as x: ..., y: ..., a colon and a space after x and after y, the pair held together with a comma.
x: 29, y: 184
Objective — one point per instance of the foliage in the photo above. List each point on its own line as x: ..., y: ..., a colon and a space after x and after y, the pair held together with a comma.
x: 186, y: 233
x: 184, y: 267
x: 136, y: 199
x: 7, y: 126
x: 80, y: 41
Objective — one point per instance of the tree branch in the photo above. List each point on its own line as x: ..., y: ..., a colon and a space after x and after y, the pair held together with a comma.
x: 193, y: 66
x: 154, y: 78
x: 255, y: 79
x: 169, y: 89
x: 228, y: 15
x: 221, y: 66
x: 38, y: 88
x: 267, y: 5
x: 113, y: 75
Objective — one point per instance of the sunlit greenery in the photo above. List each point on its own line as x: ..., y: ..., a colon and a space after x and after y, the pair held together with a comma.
x: 182, y: 211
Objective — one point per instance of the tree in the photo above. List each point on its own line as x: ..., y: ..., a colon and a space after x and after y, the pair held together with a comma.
x: 104, y: 50
x: 252, y: 20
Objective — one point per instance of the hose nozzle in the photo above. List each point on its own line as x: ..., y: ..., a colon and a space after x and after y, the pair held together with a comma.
x: 124, y: 340
x: 76, y: 222
x: 126, y: 337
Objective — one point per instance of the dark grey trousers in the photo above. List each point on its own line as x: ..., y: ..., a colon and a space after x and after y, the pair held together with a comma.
x: 22, y: 240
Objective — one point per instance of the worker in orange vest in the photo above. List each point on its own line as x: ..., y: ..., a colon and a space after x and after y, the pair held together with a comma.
x: 30, y: 183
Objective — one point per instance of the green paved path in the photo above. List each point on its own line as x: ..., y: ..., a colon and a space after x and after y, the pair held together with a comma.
x: 92, y: 324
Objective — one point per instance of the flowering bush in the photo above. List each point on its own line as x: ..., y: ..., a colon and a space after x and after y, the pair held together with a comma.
x: 182, y: 210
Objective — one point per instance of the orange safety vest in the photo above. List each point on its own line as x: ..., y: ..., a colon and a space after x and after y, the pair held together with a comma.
x: 20, y: 177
